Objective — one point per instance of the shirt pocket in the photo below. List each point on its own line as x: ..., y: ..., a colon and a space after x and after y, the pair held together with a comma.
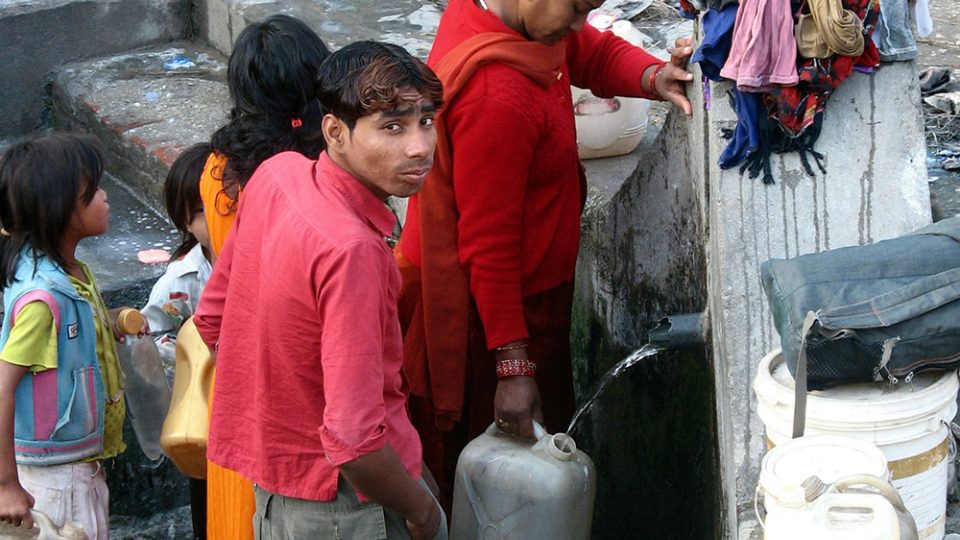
x: 79, y: 419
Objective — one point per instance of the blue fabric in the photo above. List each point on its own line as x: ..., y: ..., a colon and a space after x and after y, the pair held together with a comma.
x: 717, y: 37
x: 893, y: 35
x: 79, y: 429
x: 746, y: 136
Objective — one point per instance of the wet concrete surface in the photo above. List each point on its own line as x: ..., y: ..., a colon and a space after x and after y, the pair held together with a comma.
x: 146, y: 106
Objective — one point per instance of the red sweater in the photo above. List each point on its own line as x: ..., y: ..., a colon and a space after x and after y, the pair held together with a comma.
x: 516, y: 174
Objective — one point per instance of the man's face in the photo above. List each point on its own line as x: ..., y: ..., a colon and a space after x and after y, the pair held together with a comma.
x: 549, y: 21
x: 391, y: 152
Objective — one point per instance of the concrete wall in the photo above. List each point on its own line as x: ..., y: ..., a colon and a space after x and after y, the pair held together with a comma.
x: 642, y: 256
x: 875, y: 188
x: 681, y: 235
x: 37, y: 35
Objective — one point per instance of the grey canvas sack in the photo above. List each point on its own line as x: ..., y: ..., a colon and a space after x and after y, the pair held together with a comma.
x: 866, y: 313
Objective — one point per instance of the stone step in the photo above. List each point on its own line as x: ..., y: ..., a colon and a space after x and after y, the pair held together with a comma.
x: 146, y: 105
x: 38, y: 35
x: 409, y: 23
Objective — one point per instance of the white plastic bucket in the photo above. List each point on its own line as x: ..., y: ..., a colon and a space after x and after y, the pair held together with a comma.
x: 610, y: 126
x: 908, y: 422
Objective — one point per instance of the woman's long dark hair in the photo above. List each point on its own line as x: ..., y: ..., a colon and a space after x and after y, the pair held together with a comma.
x: 181, y: 194
x: 272, y: 76
x: 41, y: 182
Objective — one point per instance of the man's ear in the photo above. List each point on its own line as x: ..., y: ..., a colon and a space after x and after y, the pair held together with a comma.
x: 334, y: 130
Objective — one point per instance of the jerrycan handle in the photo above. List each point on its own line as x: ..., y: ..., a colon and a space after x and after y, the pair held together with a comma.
x: 49, y: 530
x: 538, y: 431
x: 883, y: 487
x: 559, y: 445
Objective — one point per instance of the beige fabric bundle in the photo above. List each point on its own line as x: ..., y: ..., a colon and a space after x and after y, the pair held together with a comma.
x: 829, y: 29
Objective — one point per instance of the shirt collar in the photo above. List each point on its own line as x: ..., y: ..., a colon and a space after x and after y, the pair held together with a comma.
x: 363, y: 202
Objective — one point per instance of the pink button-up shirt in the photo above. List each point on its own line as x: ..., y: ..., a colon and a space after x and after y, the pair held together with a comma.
x: 303, y: 305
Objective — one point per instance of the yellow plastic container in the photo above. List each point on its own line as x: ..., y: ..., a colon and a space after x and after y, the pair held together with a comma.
x: 184, y: 434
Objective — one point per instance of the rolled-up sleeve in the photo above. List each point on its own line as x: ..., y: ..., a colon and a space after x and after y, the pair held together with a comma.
x: 353, y: 295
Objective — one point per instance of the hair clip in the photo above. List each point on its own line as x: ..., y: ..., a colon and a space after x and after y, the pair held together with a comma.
x: 295, y: 123
x: 4, y: 232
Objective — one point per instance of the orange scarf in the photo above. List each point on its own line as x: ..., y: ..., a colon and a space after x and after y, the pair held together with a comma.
x: 435, y: 353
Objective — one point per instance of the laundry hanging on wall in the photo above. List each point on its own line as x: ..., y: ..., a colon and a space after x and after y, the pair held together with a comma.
x: 830, y: 39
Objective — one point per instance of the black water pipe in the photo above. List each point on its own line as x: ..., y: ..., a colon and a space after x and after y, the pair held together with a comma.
x: 680, y: 331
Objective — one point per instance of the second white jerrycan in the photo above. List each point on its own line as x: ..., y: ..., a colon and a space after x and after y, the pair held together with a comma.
x: 508, y: 488
x: 843, y: 511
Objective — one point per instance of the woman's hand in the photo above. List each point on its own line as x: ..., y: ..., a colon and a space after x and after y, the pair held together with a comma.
x: 670, y: 82
x: 516, y: 404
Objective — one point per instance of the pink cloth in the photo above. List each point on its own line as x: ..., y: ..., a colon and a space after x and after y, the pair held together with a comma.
x: 303, y: 304
x: 764, y: 49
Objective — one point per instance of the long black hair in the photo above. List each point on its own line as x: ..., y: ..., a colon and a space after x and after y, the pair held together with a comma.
x: 41, y: 182
x: 272, y: 75
x: 181, y: 193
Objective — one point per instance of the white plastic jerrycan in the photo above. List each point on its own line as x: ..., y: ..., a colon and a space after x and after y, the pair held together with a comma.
x: 508, y: 488
x: 49, y: 530
x: 610, y: 126
x: 43, y: 529
x: 844, y: 510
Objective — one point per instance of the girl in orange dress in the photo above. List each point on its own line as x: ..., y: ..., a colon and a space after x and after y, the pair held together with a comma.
x: 272, y: 76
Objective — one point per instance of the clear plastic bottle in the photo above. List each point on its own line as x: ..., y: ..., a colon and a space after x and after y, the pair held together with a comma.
x: 145, y: 384
x: 515, y: 489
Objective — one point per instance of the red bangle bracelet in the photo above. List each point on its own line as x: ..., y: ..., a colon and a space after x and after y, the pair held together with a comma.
x: 512, y: 347
x: 652, y: 81
x: 516, y: 366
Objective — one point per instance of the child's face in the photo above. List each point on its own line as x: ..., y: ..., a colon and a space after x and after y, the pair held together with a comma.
x: 198, y: 228
x: 93, y: 218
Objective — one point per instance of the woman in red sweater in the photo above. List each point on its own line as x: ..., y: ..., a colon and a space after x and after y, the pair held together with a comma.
x: 490, y: 244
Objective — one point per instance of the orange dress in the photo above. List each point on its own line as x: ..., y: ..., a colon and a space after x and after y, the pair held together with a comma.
x: 230, y: 503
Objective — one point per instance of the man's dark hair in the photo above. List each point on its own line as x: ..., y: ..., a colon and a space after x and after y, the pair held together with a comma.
x: 367, y: 76
x: 272, y: 76
x: 41, y: 182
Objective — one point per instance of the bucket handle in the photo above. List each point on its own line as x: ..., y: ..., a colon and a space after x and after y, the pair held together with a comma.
x: 756, y: 508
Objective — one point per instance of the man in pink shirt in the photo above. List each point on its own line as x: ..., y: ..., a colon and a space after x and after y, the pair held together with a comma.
x: 310, y: 404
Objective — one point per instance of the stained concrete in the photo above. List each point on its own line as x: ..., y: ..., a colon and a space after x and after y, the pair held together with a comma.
x: 146, y: 106
x: 409, y: 23
x: 875, y: 187
x: 38, y: 35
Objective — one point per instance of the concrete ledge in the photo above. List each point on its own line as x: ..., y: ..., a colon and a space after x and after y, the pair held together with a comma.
x: 41, y: 34
x: 411, y: 24
x: 144, y: 109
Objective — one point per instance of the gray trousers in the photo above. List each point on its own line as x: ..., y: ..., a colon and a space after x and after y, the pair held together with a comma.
x: 345, y: 518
